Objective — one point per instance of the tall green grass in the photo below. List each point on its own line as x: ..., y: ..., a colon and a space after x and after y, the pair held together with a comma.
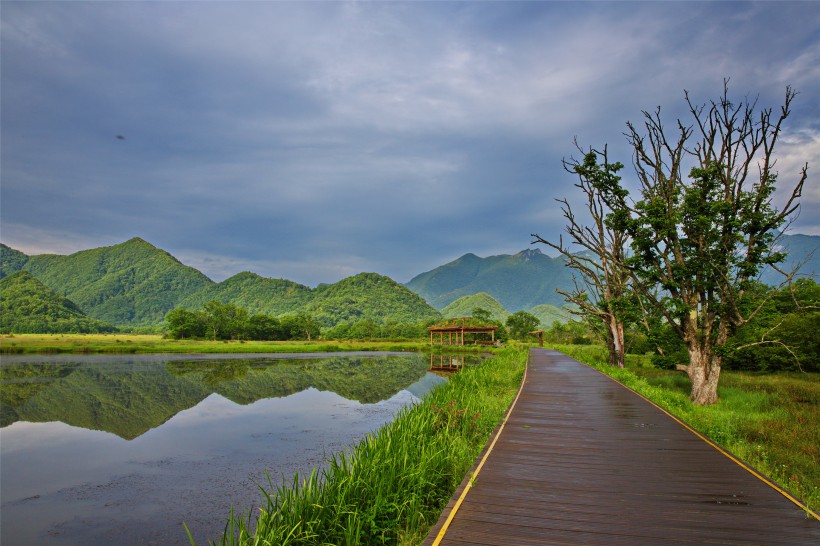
x: 391, y: 487
x: 770, y: 421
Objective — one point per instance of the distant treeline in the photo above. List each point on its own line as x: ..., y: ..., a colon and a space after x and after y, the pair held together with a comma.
x: 226, y: 321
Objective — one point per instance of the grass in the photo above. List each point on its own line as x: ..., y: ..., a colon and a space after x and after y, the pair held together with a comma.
x: 150, y: 343
x: 391, y: 487
x: 770, y: 421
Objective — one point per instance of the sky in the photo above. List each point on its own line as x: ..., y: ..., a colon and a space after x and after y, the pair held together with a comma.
x: 316, y: 140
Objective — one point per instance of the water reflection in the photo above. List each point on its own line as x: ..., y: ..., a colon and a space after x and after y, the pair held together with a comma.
x: 122, y: 450
x: 130, y: 396
x: 447, y: 363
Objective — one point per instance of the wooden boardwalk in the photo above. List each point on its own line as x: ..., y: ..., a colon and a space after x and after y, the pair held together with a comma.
x: 583, y: 460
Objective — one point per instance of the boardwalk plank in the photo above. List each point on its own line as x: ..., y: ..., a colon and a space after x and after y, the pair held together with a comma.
x: 583, y: 460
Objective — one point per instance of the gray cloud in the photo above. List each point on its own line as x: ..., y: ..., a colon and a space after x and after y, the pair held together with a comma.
x: 315, y: 140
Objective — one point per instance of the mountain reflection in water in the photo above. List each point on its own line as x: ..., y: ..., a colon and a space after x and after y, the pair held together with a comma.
x: 189, y: 436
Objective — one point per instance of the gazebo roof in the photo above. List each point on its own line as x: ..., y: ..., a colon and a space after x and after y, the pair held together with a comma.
x: 466, y: 324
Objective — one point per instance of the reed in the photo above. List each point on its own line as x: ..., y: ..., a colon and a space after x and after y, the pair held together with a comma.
x: 392, y: 486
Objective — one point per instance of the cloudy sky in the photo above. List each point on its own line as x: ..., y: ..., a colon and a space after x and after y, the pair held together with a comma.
x: 313, y: 141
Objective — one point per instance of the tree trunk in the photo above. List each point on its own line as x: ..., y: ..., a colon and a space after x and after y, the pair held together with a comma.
x: 615, y: 342
x: 704, y: 373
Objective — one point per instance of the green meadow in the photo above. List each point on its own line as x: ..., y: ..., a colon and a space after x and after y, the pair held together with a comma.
x: 148, y: 343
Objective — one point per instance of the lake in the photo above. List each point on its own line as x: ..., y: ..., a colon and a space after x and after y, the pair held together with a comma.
x: 101, y: 450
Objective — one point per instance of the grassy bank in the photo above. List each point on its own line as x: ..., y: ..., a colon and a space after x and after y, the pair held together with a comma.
x: 768, y: 420
x: 148, y: 343
x: 391, y: 487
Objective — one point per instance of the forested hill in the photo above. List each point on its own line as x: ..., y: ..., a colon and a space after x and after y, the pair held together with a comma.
x: 11, y: 260
x: 364, y: 296
x: 368, y: 296
x: 519, y: 281
x: 136, y: 284
x: 464, y: 306
x: 28, y: 306
x: 254, y: 293
x: 132, y: 283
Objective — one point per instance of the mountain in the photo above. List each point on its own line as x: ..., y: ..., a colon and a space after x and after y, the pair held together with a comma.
x: 28, y: 306
x: 464, y: 306
x: 136, y: 284
x: 519, y: 281
x: 548, y: 314
x: 11, y: 260
x: 803, y: 251
x: 254, y: 293
x: 528, y: 279
x: 367, y: 296
x: 133, y: 283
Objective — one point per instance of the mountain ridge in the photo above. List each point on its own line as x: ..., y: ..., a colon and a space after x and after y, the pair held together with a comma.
x: 519, y: 281
x: 134, y: 284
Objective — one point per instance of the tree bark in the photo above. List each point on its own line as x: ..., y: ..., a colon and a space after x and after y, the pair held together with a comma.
x: 615, y: 342
x: 704, y: 373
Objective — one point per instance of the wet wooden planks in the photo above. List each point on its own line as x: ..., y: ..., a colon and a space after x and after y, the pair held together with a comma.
x: 583, y: 460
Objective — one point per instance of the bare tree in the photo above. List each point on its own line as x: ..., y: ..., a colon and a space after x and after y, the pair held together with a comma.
x: 699, y: 242
x: 596, y: 253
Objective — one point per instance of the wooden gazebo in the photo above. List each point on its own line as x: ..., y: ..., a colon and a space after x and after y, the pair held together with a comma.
x: 452, y: 331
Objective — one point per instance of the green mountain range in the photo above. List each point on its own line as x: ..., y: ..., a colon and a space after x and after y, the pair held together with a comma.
x: 519, y: 281
x: 133, y: 283
x: 136, y: 284
x: 523, y: 281
x: 464, y: 306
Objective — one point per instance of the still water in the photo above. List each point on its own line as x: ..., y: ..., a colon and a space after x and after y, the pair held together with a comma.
x: 103, y: 450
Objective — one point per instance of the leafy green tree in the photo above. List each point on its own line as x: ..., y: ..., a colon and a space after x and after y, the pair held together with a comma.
x: 784, y: 335
x: 574, y: 332
x: 698, y: 242
x: 183, y: 324
x: 364, y: 329
x: 264, y: 328
x: 301, y: 326
x: 482, y: 315
x: 225, y: 320
x: 521, y: 323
